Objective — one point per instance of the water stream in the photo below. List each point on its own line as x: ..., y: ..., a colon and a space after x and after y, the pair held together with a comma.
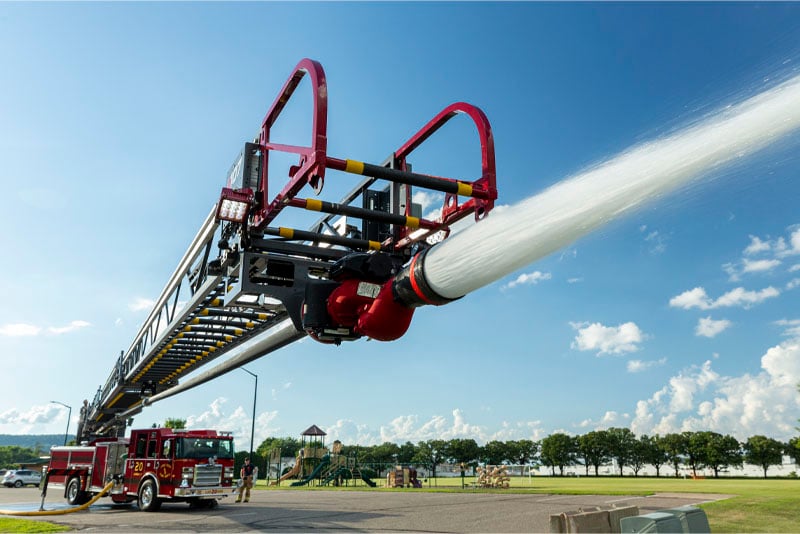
x: 558, y: 216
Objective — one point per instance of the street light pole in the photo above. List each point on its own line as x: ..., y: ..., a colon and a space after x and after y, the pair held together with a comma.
x: 69, y: 416
x: 253, y: 426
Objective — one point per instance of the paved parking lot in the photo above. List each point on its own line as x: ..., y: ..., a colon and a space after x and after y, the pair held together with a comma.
x: 369, y: 511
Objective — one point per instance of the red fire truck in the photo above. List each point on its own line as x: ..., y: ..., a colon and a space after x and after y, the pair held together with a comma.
x: 153, y: 465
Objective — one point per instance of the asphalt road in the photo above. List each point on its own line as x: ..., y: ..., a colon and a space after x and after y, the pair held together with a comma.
x: 367, y: 511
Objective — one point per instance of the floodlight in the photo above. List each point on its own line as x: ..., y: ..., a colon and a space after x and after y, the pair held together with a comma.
x: 234, y: 204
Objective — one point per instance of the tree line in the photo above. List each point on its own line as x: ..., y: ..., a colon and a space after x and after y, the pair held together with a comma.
x: 11, y: 456
x: 693, y: 450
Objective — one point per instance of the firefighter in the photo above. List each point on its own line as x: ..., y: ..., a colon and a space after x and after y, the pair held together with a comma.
x: 246, y: 475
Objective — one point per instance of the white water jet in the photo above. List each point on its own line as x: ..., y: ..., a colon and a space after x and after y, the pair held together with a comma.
x: 548, y: 221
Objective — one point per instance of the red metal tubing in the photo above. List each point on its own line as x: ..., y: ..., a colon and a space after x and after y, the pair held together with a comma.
x: 311, y: 167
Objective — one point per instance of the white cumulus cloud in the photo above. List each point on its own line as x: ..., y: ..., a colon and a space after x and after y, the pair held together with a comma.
x: 427, y: 199
x: 237, y: 420
x: 610, y: 419
x: 792, y: 327
x: 19, y: 330
x: 412, y: 428
x: 764, y: 254
x: 756, y: 246
x: 738, y: 297
x: 74, y: 325
x: 637, y: 366
x: 141, y: 304
x: 27, y: 330
x: 700, y: 399
x: 607, y: 339
x: 755, y: 266
x: 528, y: 278
x: 30, y: 421
x: 708, y: 327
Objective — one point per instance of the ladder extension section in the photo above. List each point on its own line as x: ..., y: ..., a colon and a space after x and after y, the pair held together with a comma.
x: 243, y: 275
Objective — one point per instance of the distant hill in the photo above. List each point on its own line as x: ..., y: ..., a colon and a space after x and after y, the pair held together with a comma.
x: 30, y: 441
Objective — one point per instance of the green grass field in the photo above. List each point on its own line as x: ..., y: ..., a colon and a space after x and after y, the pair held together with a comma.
x: 11, y: 524
x: 757, y: 505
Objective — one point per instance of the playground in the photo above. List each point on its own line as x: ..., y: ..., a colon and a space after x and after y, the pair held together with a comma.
x: 317, y: 465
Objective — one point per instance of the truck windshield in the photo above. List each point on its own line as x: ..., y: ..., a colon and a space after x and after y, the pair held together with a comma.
x: 200, y: 448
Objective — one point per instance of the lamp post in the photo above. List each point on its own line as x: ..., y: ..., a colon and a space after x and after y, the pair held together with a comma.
x: 253, y: 427
x: 69, y: 416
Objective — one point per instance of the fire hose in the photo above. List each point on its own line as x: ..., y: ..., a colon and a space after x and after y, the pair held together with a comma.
x: 64, y: 511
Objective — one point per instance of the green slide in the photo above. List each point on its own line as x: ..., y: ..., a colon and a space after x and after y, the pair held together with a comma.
x: 324, y: 462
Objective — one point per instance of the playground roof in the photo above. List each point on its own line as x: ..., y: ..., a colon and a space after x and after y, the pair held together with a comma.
x: 313, y: 430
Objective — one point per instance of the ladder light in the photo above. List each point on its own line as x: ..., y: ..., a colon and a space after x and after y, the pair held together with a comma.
x: 234, y: 204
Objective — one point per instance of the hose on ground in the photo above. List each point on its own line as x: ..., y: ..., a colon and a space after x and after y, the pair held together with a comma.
x: 64, y: 511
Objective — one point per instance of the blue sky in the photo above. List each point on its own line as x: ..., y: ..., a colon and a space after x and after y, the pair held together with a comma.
x: 119, y: 122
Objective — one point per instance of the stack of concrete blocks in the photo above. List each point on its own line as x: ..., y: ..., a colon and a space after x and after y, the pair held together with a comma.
x: 591, y: 520
x: 493, y: 476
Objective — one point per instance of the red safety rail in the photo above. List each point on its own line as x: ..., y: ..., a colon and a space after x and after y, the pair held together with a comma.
x: 314, y: 160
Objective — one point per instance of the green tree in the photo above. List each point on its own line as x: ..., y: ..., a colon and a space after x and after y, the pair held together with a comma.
x: 640, y: 453
x: 13, y: 455
x: 494, y: 452
x: 655, y: 455
x: 407, y: 452
x: 621, y: 441
x: 695, y: 450
x: 559, y: 450
x: 674, y: 446
x: 176, y: 424
x: 288, y: 447
x: 463, y: 451
x: 521, y: 452
x: 430, y: 453
x: 763, y: 451
x: 722, y: 452
x: 793, y: 450
x: 385, y: 454
x: 594, y: 447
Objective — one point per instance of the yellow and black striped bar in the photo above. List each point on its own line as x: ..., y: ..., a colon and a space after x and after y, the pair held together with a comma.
x: 445, y: 185
x: 302, y: 235
x: 334, y: 208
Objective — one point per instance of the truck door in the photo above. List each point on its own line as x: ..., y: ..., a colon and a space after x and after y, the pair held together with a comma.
x: 165, y: 467
x: 135, y: 468
x: 151, y: 464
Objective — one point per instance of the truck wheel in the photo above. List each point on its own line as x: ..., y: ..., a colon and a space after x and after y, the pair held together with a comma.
x: 74, y: 494
x: 148, y: 497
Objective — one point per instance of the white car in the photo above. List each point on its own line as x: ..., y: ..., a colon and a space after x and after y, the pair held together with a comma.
x: 22, y: 477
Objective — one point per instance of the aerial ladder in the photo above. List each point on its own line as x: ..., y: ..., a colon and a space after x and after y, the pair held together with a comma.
x: 246, y: 287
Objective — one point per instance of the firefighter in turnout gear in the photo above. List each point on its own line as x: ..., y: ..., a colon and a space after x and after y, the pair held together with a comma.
x: 247, y: 481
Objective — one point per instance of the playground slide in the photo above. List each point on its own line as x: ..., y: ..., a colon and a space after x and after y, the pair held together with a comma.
x: 368, y: 481
x: 324, y: 462
x: 289, y: 474
x: 341, y: 471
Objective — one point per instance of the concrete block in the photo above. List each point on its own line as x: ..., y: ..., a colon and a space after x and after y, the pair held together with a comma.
x: 615, y: 515
x: 589, y: 522
x: 557, y: 524
x: 693, y: 519
x: 654, y: 522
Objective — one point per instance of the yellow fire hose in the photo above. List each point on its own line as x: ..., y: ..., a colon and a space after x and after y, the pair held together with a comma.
x: 64, y: 511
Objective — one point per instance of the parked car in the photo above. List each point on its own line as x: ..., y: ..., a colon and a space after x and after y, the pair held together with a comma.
x: 22, y: 477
